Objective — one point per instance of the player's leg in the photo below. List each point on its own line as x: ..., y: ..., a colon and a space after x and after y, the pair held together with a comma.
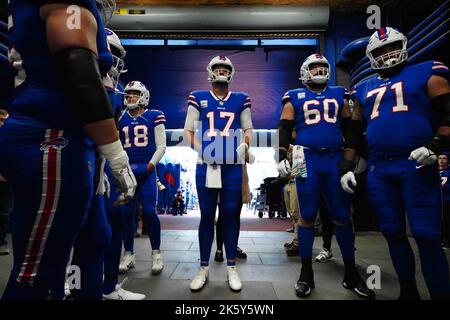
x: 148, y: 196
x: 115, y: 216
x: 308, y: 193
x: 385, y: 198
x: 208, y: 203
x: 51, y: 177
x: 129, y: 222
x: 219, y: 240
x: 421, y: 193
x: 89, y: 250
x: 339, y: 202
x: 230, y: 205
x: 327, y: 232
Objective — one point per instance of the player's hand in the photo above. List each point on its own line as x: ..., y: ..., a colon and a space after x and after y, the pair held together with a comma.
x: 423, y: 156
x: 284, y: 168
x: 241, y: 151
x: 150, y: 167
x: 347, y: 178
x: 123, y: 177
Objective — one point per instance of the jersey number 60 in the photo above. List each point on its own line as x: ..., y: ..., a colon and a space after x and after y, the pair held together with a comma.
x: 313, y: 116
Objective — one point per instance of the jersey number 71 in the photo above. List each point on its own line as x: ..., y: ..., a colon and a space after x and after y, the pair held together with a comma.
x: 380, y: 92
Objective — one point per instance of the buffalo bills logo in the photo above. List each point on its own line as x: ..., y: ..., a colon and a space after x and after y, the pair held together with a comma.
x: 382, y: 34
x: 56, y: 143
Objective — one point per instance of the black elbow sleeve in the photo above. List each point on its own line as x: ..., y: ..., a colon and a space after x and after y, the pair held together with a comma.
x: 285, y: 128
x: 442, y: 106
x: 82, y: 83
x: 353, y: 134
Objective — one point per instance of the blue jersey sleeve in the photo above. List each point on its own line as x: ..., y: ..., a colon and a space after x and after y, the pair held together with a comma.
x: 286, y: 98
x: 192, y: 101
x: 440, y: 69
x: 160, y: 118
x: 247, y: 103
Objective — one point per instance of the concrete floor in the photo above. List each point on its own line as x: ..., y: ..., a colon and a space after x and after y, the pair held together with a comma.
x: 267, y: 274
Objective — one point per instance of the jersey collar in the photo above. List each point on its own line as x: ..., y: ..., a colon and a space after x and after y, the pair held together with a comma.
x: 217, y: 99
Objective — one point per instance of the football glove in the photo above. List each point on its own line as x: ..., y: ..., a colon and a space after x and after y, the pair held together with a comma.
x: 345, y: 179
x: 423, y: 156
x: 120, y: 170
x: 346, y: 168
x: 284, y: 168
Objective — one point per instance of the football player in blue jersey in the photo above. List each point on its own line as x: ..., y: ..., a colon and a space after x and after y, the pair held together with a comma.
x: 444, y: 172
x: 219, y: 127
x: 142, y: 132
x: 318, y: 112
x: 59, y: 110
x: 112, y: 290
x: 397, y: 105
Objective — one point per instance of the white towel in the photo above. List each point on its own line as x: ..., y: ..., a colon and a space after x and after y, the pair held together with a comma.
x: 299, y: 168
x: 213, y: 176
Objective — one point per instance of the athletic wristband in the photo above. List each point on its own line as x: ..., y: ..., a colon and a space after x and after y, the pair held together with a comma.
x: 345, y: 166
x: 112, y: 150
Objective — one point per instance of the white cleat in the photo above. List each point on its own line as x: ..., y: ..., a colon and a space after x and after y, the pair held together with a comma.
x: 128, y: 262
x: 200, y: 279
x: 157, y: 263
x: 122, y: 294
x: 324, y: 256
x: 233, y: 279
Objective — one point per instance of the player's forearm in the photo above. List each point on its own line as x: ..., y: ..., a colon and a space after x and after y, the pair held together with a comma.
x: 248, y: 136
x: 349, y: 154
x: 191, y: 141
x: 102, y: 132
x: 160, y: 142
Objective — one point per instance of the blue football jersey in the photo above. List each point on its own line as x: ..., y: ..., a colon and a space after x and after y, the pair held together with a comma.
x: 445, y: 175
x: 317, y: 116
x: 38, y: 94
x: 398, y: 110
x: 220, y: 124
x: 137, y: 134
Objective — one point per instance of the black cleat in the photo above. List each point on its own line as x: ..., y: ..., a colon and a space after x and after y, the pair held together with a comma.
x: 293, y: 250
x: 355, y: 283
x: 287, y: 245
x: 240, y: 254
x: 218, y: 256
x: 303, y: 289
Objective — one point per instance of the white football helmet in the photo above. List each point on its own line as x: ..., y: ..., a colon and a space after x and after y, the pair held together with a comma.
x: 322, y: 74
x: 107, y: 8
x: 214, y: 75
x: 144, y: 95
x: 118, y: 53
x: 381, y: 38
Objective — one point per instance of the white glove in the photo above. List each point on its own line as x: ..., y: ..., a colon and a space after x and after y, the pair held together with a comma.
x: 241, y: 151
x: 120, y: 169
x: 345, y: 179
x: 284, y: 168
x: 423, y: 156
